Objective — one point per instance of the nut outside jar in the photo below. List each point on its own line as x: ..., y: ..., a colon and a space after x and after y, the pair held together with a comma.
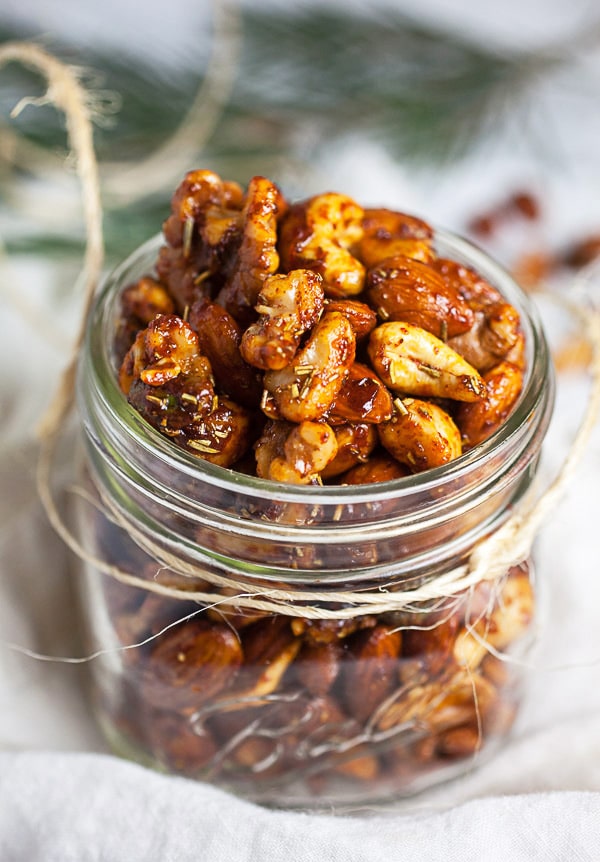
x: 293, y: 641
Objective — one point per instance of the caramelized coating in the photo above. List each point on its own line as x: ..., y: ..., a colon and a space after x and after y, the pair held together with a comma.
x: 219, y: 338
x: 355, y: 442
x: 317, y: 234
x: 257, y: 256
x: 420, y: 435
x: 411, y: 291
x: 288, y: 305
x: 306, y: 389
x: 478, y: 421
x: 362, y: 398
x: 387, y: 233
x: 295, y: 453
x: 412, y: 360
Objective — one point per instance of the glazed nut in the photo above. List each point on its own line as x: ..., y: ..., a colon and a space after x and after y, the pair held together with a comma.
x: 288, y: 306
x: 317, y: 234
x: 199, y: 193
x: 329, y: 631
x: 387, y: 233
x: 318, y: 665
x: 370, y: 670
x: 355, y: 442
x: 307, y: 387
x: 411, y: 360
x: 494, y: 336
x: 361, y: 316
x: 432, y: 644
x: 479, y: 419
x: 219, y: 338
x: 509, y: 620
x: 295, y: 454
x: 257, y: 256
x: 421, y: 435
x: 191, y: 663
x: 411, y: 291
x: 175, y: 744
x: 270, y: 647
x: 160, y: 352
x: 378, y: 468
x: 203, y: 229
x: 145, y: 299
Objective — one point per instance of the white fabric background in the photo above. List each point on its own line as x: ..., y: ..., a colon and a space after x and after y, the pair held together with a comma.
x: 63, y: 797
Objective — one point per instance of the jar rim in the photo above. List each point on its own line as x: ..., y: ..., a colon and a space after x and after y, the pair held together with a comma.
x: 97, y: 356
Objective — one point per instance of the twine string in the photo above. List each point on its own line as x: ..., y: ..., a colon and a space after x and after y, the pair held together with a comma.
x: 492, y: 557
x: 125, y: 182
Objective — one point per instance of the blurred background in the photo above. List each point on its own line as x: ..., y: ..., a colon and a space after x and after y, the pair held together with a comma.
x: 446, y: 109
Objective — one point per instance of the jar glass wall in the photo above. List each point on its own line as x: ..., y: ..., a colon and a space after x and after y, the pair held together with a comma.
x: 365, y: 702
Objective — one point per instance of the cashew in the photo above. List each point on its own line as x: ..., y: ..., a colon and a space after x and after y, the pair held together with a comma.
x: 307, y: 387
x: 295, y: 453
x: 421, y: 435
x: 412, y: 360
x: 509, y: 620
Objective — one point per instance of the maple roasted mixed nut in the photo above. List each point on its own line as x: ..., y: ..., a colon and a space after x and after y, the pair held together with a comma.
x: 315, y: 343
x: 263, y: 314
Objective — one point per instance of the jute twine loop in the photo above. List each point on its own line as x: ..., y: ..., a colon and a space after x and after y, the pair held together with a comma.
x: 491, y: 558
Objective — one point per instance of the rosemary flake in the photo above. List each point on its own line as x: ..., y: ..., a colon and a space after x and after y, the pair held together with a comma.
x: 429, y: 369
x: 401, y: 406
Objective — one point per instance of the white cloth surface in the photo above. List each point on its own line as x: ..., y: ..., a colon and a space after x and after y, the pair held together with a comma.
x: 89, y: 808
x: 63, y: 797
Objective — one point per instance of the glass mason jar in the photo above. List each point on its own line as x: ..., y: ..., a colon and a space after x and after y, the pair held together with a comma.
x: 256, y: 635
